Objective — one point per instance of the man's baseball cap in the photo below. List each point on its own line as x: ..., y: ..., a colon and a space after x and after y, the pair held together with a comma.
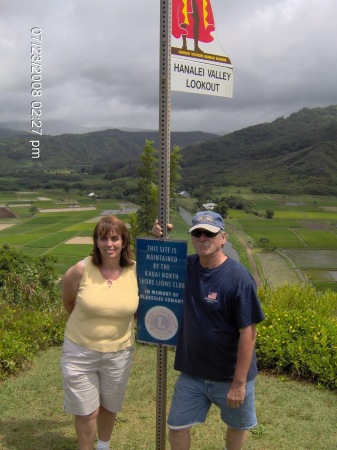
x: 208, y: 220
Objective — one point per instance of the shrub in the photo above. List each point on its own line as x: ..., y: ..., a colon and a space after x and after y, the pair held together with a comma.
x: 31, y: 317
x: 28, y: 282
x: 299, y: 335
x: 28, y: 291
x: 23, y: 332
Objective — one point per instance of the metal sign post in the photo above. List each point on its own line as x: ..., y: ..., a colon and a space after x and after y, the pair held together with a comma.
x: 163, y: 193
x: 204, y: 78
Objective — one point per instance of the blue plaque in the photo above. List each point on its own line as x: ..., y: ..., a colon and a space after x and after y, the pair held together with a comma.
x: 161, y: 269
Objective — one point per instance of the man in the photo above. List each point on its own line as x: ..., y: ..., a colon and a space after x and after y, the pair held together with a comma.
x: 215, y: 351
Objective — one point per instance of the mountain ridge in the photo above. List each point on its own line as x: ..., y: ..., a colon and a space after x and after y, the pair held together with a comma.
x: 70, y: 150
x: 300, y: 150
x: 294, y: 153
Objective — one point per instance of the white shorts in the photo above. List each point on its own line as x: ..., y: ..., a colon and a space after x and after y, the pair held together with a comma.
x: 91, y: 378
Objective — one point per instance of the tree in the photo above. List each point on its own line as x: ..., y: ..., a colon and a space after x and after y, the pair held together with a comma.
x: 222, y: 208
x: 203, y: 195
x: 175, y: 176
x: 147, y: 196
x: 33, y: 210
x: 269, y: 213
x: 134, y: 229
x: 147, y: 189
x: 236, y: 202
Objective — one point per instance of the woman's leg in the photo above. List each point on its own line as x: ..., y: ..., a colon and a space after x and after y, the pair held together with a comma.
x: 105, y: 423
x: 86, y: 427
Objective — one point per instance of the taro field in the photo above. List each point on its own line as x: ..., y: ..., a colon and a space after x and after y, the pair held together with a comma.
x: 43, y: 224
x: 298, y: 245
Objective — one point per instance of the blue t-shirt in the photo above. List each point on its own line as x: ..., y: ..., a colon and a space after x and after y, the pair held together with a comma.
x: 217, y: 303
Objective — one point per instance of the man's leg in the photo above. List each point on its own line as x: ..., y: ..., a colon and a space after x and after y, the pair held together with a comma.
x: 235, y: 438
x: 85, y: 427
x: 189, y: 407
x: 180, y: 439
x: 238, y: 420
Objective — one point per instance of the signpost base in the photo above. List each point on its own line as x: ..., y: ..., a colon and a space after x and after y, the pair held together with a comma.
x: 161, y: 396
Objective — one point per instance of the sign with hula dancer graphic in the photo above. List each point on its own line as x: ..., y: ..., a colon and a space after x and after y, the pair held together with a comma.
x: 198, y: 63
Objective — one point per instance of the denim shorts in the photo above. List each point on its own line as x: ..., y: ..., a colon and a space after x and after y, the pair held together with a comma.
x: 91, y: 378
x: 193, y: 398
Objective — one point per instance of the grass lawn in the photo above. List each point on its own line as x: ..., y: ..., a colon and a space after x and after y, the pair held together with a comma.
x: 292, y: 415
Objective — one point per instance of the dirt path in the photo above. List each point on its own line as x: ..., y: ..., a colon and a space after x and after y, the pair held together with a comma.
x: 3, y: 226
x: 55, y: 210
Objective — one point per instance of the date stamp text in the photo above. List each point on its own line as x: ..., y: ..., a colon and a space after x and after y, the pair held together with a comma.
x: 36, y: 89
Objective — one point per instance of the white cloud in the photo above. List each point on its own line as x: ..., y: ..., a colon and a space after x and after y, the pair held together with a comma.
x: 101, y: 62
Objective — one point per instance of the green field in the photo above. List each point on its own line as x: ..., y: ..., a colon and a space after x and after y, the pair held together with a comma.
x: 301, y: 227
x: 303, y: 230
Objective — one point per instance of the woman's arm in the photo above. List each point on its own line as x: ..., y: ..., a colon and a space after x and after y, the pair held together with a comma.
x: 70, y: 286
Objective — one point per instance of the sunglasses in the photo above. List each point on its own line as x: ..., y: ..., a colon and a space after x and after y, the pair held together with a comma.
x: 198, y: 232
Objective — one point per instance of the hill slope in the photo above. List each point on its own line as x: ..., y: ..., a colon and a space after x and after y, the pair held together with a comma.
x: 298, y: 152
x: 68, y: 150
x: 293, y: 154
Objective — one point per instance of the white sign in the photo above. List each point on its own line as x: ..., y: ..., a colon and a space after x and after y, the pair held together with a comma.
x: 188, y: 75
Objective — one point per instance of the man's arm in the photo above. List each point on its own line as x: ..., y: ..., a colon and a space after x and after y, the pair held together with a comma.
x: 236, y: 393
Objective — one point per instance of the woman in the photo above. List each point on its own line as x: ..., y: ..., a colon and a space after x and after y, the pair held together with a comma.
x: 100, y: 295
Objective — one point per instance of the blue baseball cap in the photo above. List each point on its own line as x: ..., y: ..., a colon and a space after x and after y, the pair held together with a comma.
x: 208, y: 220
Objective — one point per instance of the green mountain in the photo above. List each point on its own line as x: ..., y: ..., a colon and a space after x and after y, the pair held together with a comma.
x: 73, y: 150
x: 6, y: 133
x: 294, y: 154
x: 297, y: 153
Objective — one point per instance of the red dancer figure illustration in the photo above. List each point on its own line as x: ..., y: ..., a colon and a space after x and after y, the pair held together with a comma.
x: 193, y: 19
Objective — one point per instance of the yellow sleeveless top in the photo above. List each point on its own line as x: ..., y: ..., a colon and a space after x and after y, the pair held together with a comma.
x: 102, y: 319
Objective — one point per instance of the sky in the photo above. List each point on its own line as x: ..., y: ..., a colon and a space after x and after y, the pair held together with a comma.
x: 100, y: 63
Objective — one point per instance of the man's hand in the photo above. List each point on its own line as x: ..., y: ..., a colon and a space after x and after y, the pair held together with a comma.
x: 236, y: 395
x: 157, y: 228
